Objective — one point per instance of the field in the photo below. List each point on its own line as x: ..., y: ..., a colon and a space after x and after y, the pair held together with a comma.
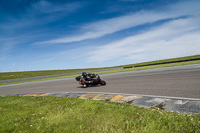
x: 27, y: 74
x: 188, y: 58
x: 62, y: 114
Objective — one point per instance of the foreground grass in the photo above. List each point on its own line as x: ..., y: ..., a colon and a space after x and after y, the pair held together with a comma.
x: 62, y: 114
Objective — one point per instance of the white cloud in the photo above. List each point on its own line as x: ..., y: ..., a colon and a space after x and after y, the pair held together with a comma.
x: 101, y: 28
x: 173, y: 39
x: 109, y: 26
x: 50, y: 59
x: 29, y: 19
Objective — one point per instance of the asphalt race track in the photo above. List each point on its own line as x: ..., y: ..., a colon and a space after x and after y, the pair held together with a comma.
x: 172, y: 82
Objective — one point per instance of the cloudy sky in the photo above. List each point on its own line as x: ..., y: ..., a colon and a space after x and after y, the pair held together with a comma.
x: 66, y: 34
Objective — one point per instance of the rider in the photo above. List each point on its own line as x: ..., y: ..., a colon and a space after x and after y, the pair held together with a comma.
x: 85, y: 78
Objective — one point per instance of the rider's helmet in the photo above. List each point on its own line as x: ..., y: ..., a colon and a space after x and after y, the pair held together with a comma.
x: 84, y: 74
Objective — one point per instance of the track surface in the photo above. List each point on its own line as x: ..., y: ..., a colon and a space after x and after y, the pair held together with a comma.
x: 161, y: 82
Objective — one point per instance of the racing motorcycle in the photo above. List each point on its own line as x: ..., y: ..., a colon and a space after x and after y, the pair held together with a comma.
x: 90, y: 80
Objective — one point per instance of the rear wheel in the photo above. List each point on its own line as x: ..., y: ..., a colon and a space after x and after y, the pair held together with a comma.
x: 103, y: 82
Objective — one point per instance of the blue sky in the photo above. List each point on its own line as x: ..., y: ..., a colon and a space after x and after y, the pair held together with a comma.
x: 67, y: 34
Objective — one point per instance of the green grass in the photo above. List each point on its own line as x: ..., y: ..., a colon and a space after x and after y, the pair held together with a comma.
x: 151, y: 67
x: 27, y: 74
x: 163, y: 61
x: 62, y: 114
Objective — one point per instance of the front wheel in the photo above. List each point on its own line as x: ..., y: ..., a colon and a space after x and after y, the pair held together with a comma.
x: 84, y: 86
x: 102, y: 82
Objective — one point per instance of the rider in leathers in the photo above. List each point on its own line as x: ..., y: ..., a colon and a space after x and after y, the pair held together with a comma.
x: 85, y: 78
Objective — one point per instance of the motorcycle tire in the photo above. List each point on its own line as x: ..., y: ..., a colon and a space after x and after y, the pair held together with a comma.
x: 102, y: 82
x: 84, y: 86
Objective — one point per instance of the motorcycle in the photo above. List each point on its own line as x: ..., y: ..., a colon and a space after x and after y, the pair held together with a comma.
x: 92, y: 80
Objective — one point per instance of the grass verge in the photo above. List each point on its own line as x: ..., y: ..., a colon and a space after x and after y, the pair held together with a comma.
x: 164, y: 61
x: 62, y: 114
x: 28, y: 74
x: 114, y: 71
x: 151, y: 67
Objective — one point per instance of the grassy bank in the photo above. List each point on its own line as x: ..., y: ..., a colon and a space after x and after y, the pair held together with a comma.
x: 114, y: 71
x: 27, y: 74
x: 164, y: 61
x: 62, y: 114
x: 151, y: 67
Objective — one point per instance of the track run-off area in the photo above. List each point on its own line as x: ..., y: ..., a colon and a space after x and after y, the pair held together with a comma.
x: 180, y: 81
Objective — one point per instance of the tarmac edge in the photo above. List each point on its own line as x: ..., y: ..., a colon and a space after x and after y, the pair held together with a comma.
x: 171, y: 104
